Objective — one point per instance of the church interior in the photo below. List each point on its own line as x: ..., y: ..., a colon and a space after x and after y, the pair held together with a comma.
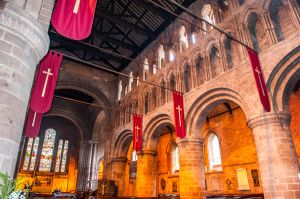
x: 138, y: 53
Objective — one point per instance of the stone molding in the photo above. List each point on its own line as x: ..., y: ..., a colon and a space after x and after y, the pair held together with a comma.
x: 119, y: 159
x: 189, y: 140
x: 147, y: 152
x: 14, y: 19
x: 281, y: 117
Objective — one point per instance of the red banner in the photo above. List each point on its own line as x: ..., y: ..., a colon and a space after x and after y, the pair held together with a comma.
x: 74, y: 18
x: 45, y: 83
x: 33, y: 124
x: 259, y: 79
x: 137, y: 132
x: 179, y: 114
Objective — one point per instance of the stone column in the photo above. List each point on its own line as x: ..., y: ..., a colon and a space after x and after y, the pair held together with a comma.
x: 94, y: 166
x: 191, y: 171
x: 277, y: 158
x: 23, y: 43
x: 118, y: 169
x: 146, y: 178
x: 83, y: 167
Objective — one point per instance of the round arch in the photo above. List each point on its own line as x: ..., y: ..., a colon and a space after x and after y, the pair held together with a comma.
x: 283, y: 79
x: 152, y: 130
x: 122, y: 143
x: 196, y: 115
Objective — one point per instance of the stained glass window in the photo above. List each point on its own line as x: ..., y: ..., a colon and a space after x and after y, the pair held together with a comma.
x: 27, y: 154
x: 64, y: 157
x: 47, y: 151
x: 58, y: 156
x: 34, y: 153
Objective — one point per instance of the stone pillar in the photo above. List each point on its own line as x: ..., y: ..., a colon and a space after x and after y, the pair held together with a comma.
x: 191, y: 171
x: 83, y: 167
x: 23, y: 43
x: 277, y: 158
x: 93, y: 166
x: 118, y: 169
x: 146, y: 178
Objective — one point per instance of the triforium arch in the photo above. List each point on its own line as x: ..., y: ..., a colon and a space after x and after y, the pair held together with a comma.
x: 196, y: 115
x: 122, y: 143
x: 283, y: 79
x: 152, y: 133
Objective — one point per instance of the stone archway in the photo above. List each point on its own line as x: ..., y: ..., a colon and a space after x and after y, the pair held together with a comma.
x: 196, y: 115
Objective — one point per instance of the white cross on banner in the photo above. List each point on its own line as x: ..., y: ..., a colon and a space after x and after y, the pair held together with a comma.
x: 259, y: 79
x: 45, y: 83
x: 137, y: 132
x: 76, y: 6
x: 179, y: 114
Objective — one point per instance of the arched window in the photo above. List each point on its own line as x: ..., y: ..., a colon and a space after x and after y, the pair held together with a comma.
x: 208, y: 14
x: 136, y: 107
x: 154, y: 98
x: 187, y: 78
x: 194, y: 38
x: 47, y: 150
x: 241, y: 2
x: 254, y: 30
x: 31, y: 154
x: 161, y: 56
x: 171, y: 55
x: 163, y: 92
x: 175, y: 158
x: 200, y: 70
x: 146, y: 69
x: 130, y: 81
x: 46, y: 153
x: 214, y: 62
x: 133, y: 164
x: 183, y: 39
x: 129, y: 112
x: 274, y: 8
x: 172, y: 82
x: 146, y: 103
x: 228, y: 50
x: 119, y: 90
x: 154, y: 69
x: 281, y: 19
x: 214, y: 153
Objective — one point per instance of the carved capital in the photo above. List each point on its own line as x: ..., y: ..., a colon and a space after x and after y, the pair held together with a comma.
x: 119, y: 159
x: 189, y: 141
x: 17, y: 21
x: 282, y: 118
x: 147, y: 152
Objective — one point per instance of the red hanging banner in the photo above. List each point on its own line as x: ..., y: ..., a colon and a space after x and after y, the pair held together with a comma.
x: 33, y: 124
x: 179, y: 114
x: 74, y: 18
x: 43, y: 90
x: 259, y: 79
x: 137, y: 132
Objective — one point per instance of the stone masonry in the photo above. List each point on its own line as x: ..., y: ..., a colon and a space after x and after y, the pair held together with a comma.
x: 23, y: 43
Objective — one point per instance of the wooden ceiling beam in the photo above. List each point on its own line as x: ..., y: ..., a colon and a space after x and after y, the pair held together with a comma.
x: 84, y: 46
x: 150, y: 7
x: 122, y: 22
x: 108, y: 39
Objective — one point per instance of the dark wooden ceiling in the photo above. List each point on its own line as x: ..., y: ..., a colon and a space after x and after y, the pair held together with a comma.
x: 124, y: 27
